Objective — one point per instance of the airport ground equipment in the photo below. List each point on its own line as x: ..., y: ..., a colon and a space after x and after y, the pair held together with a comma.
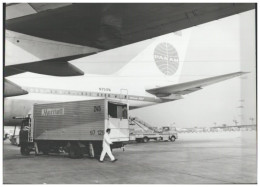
x: 146, y: 132
x: 14, y: 136
x: 5, y: 135
x: 171, y: 132
x: 74, y: 127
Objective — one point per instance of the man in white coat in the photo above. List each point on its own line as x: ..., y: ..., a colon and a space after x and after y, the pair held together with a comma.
x: 106, y: 147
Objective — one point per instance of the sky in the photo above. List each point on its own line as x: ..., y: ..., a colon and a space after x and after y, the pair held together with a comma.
x: 223, y: 46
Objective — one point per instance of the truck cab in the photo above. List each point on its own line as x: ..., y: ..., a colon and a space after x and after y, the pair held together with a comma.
x: 171, y: 132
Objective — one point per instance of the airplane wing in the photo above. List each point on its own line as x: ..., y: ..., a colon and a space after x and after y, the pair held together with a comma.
x: 110, y: 25
x: 189, y: 87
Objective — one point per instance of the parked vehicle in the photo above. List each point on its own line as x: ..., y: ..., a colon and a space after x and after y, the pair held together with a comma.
x: 146, y: 132
x: 74, y: 127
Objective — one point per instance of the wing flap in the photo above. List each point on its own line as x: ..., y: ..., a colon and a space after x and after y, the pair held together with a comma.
x: 60, y: 68
x: 188, y: 91
x: 188, y: 87
x: 54, y: 67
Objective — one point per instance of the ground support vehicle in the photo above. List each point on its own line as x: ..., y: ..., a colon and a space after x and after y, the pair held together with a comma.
x: 168, y: 133
x: 146, y: 132
x: 76, y: 128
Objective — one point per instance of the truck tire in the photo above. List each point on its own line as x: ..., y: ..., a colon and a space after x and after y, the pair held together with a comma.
x: 98, y: 147
x: 72, y: 152
x: 172, y: 138
x: 45, y: 151
x: 25, y: 150
x: 75, y: 151
x: 146, y: 139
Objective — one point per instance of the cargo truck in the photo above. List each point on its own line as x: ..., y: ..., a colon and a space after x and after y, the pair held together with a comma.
x: 76, y: 128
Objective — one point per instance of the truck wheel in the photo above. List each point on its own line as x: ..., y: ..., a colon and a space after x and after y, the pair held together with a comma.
x: 97, y: 149
x: 72, y: 152
x: 145, y: 140
x: 75, y: 151
x: 45, y: 151
x: 44, y: 147
x: 172, y: 138
x: 25, y: 150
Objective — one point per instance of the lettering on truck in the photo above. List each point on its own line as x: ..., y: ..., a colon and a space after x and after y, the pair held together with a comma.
x: 52, y: 111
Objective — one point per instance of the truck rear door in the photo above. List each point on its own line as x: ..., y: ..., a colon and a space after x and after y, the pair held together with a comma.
x: 117, y: 121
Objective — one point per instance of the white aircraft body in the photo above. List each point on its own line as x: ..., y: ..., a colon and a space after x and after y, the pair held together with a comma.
x: 129, y: 90
x: 143, y: 81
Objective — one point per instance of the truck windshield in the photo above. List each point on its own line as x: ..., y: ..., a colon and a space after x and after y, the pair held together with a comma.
x: 116, y: 110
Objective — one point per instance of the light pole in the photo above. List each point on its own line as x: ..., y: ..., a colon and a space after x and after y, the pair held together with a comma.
x: 241, y: 108
x: 252, y: 119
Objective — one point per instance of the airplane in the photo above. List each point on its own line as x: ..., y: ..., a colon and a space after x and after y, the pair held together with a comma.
x: 44, y: 37
x: 152, y: 77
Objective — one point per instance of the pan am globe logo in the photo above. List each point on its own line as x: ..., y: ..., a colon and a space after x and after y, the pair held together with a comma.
x: 166, y: 58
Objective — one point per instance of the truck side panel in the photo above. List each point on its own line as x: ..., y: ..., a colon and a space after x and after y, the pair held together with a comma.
x: 80, y: 120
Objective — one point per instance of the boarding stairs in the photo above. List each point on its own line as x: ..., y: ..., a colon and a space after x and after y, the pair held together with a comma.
x: 142, y: 124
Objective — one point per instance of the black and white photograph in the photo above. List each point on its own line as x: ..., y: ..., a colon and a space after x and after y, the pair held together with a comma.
x: 129, y: 93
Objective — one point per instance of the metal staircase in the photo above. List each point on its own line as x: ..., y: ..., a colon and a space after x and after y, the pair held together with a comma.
x: 142, y: 124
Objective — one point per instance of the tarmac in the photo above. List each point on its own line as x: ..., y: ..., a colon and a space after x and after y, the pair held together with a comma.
x: 194, y: 158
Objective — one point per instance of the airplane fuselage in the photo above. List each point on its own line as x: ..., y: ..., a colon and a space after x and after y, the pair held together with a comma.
x: 127, y: 89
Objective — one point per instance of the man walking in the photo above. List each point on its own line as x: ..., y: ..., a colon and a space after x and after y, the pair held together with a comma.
x: 106, y: 147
